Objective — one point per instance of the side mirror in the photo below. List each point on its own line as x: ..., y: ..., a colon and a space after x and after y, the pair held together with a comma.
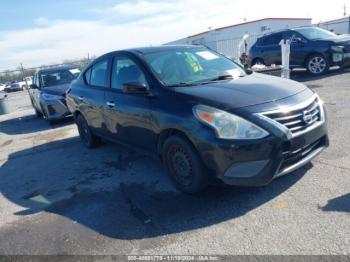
x: 135, y: 88
x: 33, y: 86
x: 298, y: 40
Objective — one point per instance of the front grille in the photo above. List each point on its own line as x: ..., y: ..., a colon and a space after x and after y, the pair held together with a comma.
x: 298, y: 119
x: 292, y: 157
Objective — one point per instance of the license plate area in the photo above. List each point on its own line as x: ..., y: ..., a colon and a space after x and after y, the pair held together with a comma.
x: 338, y: 57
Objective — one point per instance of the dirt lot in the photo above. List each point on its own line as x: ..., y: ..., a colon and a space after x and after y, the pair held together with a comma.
x: 56, y: 197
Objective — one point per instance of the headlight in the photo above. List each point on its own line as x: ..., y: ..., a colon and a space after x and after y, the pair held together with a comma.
x: 51, y: 97
x: 226, y: 125
x: 338, y: 49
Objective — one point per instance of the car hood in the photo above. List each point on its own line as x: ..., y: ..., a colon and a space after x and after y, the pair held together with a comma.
x: 250, y: 90
x: 341, y: 39
x: 56, y: 90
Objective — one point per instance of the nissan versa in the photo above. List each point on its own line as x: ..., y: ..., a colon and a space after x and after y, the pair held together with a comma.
x: 48, y: 91
x: 201, y: 113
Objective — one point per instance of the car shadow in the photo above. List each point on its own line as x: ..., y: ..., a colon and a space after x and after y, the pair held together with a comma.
x: 303, y: 76
x: 338, y: 204
x: 30, y: 124
x: 120, y: 193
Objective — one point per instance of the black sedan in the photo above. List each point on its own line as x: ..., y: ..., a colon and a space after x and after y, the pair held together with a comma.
x: 205, y: 116
x: 48, y: 91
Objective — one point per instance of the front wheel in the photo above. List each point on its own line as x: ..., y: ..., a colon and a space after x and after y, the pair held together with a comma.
x: 317, y: 64
x: 37, y: 113
x: 183, y: 165
x: 87, y: 137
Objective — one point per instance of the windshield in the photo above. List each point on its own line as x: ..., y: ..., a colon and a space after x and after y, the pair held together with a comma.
x: 59, y: 77
x: 315, y: 33
x: 188, y: 66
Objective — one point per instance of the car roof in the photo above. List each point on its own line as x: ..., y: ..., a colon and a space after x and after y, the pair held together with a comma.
x: 154, y: 49
x: 56, y: 68
x: 303, y: 27
x: 275, y: 32
x: 286, y: 30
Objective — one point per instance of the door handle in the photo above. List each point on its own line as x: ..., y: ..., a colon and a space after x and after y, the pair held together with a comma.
x: 110, y: 104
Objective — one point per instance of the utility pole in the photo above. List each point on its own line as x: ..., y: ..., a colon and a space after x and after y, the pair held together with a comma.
x: 23, y: 76
x: 345, y: 10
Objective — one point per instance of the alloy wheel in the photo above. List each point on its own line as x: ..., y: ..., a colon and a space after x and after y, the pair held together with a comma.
x: 317, y: 65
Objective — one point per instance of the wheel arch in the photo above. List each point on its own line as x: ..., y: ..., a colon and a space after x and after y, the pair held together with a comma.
x: 307, y: 57
x: 256, y: 59
x: 168, y: 132
x: 76, y: 113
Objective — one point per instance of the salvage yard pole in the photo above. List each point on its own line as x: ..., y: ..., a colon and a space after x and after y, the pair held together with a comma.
x: 285, y: 50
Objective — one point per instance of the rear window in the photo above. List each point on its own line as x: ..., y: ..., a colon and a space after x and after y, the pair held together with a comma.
x: 274, y: 39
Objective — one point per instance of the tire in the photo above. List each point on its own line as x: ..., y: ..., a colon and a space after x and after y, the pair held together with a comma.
x: 37, y: 113
x: 317, y: 64
x: 183, y: 165
x: 45, y: 116
x: 87, y: 137
x: 258, y: 61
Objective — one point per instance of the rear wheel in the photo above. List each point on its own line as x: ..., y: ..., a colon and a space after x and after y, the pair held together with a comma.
x: 317, y: 64
x: 258, y: 61
x: 183, y: 165
x: 87, y: 137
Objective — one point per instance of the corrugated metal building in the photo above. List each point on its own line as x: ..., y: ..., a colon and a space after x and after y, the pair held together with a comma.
x: 339, y: 26
x: 226, y: 39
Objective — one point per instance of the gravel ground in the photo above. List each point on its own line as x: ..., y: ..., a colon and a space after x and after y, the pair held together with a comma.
x: 56, y: 197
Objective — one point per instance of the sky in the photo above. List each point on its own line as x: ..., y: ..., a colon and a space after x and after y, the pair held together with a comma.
x: 37, y: 32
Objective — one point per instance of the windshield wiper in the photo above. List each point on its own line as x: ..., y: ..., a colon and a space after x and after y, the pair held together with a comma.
x: 221, y: 78
x: 182, y: 84
x: 215, y: 79
x: 203, y: 82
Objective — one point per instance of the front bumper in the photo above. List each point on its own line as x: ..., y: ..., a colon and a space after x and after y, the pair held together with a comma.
x: 341, y: 59
x: 257, y: 163
x: 56, y: 109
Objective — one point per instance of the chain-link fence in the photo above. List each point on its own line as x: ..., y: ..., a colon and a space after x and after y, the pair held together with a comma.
x: 22, y: 72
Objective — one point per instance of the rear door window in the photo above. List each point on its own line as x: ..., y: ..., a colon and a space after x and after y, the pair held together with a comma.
x: 274, y: 39
x: 99, y: 74
x: 87, y: 76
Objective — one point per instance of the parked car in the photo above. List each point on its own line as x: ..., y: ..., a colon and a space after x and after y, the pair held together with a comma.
x: 312, y: 48
x: 204, y: 115
x: 48, y: 91
x: 15, y: 86
x: 28, y: 80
